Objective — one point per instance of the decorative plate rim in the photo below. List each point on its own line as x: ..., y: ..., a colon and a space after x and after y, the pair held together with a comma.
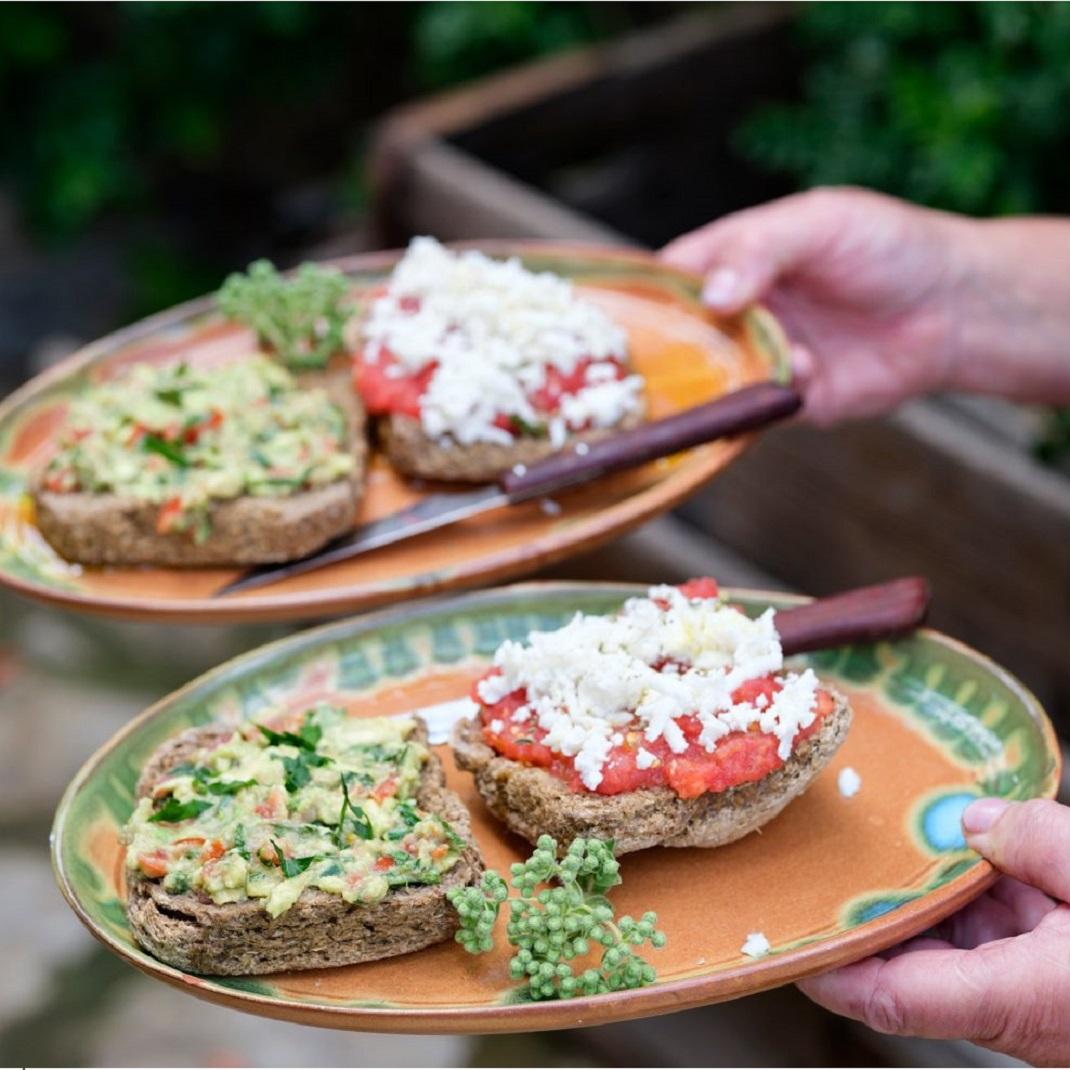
x: 766, y: 335
x: 910, y: 918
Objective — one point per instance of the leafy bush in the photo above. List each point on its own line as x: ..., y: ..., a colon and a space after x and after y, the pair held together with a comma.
x: 195, y: 131
x: 960, y: 106
x: 110, y: 106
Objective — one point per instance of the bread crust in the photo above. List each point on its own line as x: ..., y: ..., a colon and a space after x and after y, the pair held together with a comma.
x: 414, y: 453
x: 116, y: 529
x: 111, y: 529
x: 533, y: 802
x: 190, y: 932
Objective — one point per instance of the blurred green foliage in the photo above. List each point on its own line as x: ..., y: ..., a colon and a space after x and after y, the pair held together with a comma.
x: 100, y: 97
x: 186, y: 125
x: 961, y: 106
x: 106, y: 105
x: 463, y: 39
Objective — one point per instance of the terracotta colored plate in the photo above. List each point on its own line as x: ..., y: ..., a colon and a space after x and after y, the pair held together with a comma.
x: 686, y: 356
x: 829, y: 881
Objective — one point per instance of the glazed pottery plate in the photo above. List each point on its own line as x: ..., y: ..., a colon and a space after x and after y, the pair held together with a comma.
x: 831, y: 880
x: 686, y: 356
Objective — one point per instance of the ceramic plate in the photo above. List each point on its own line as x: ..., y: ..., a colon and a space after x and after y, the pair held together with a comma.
x: 829, y: 881
x: 686, y: 356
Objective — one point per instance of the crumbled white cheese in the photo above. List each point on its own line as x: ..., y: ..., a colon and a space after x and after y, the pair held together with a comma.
x: 550, y: 507
x: 496, y: 725
x: 582, y: 449
x: 848, y: 782
x: 519, y: 469
x: 595, y: 676
x: 755, y: 945
x: 644, y: 759
x: 494, y: 330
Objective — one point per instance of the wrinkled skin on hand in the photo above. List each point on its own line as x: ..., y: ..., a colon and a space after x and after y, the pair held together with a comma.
x: 998, y: 971
x: 884, y: 301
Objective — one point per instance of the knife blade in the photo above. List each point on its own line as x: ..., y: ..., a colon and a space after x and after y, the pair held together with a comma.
x: 742, y: 410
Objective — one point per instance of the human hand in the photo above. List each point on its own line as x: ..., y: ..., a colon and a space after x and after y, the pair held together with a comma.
x: 884, y: 300
x: 861, y: 282
x: 998, y: 971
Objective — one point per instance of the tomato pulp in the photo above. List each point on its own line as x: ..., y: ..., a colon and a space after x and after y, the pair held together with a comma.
x: 385, y: 389
x: 738, y: 758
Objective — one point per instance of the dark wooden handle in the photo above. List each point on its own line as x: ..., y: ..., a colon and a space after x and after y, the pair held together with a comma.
x: 860, y: 616
x: 742, y: 410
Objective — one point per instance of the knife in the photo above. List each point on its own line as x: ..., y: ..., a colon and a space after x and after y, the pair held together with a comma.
x: 863, y: 615
x: 742, y: 410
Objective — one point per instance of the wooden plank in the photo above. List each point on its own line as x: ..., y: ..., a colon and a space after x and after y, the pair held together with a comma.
x: 440, y: 190
x: 549, y: 108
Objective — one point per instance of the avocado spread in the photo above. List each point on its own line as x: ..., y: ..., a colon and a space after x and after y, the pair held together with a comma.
x: 265, y: 814
x: 184, y: 438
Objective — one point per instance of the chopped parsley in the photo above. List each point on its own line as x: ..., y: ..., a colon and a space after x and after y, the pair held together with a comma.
x: 174, y: 811
x: 153, y: 443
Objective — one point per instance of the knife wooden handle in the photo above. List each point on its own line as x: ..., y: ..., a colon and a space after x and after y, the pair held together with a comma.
x: 742, y: 410
x: 860, y: 616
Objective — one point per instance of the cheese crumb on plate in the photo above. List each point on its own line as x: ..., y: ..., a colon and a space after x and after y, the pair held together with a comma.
x: 848, y: 782
x: 755, y: 946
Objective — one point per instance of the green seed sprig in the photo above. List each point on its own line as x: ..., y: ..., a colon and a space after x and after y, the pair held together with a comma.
x: 300, y: 318
x: 560, y: 913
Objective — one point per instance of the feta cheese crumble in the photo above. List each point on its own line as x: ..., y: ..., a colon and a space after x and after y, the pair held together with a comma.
x: 495, y: 330
x: 848, y: 782
x: 595, y: 676
x: 755, y: 946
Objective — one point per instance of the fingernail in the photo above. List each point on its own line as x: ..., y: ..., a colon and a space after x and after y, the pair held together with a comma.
x: 802, y: 365
x: 980, y: 816
x: 721, y: 288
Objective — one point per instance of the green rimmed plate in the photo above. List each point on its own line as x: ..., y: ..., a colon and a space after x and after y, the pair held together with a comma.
x: 829, y: 881
x: 687, y: 356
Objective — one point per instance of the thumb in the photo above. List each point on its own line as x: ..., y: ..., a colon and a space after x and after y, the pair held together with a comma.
x: 1028, y: 840
x: 742, y: 255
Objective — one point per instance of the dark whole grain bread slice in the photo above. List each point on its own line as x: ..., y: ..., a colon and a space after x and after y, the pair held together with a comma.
x: 115, y: 529
x: 533, y: 802
x: 412, y: 452
x: 192, y: 933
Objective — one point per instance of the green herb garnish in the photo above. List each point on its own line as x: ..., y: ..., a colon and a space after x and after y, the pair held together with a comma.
x: 291, y: 867
x: 295, y: 481
x: 568, y: 917
x: 361, y: 825
x: 152, y: 443
x: 455, y: 841
x: 297, y: 774
x: 305, y: 738
x: 173, y: 811
x: 299, y: 318
x: 227, y: 787
x: 171, y: 395
x: 186, y: 769
x: 519, y: 426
